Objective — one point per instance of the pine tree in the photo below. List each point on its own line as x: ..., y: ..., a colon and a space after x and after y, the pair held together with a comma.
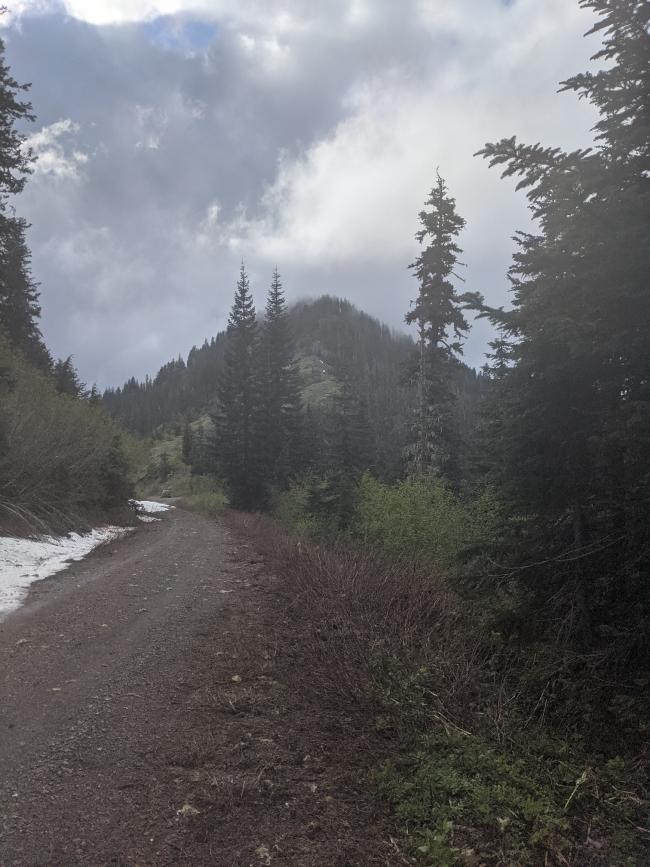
x: 19, y: 309
x: 237, y: 439
x: 202, y: 461
x: 115, y: 475
x: 437, y: 312
x: 164, y: 467
x: 348, y: 452
x: 187, y: 443
x: 280, y: 407
x: 66, y: 378
x: 15, y: 161
x: 569, y: 425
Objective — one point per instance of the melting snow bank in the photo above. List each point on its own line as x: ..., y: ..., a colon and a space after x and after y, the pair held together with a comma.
x: 23, y: 561
x: 149, y: 506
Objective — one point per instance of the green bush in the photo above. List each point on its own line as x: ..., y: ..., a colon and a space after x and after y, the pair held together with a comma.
x: 421, y: 518
x: 293, y: 507
x: 202, y: 494
x: 415, y: 517
x: 60, y: 456
x: 467, y: 802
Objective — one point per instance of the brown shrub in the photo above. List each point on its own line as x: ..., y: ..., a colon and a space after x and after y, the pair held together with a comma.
x: 383, y: 636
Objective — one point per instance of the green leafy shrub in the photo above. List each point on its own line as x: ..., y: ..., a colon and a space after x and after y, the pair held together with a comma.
x: 416, y: 517
x: 294, y: 508
x: 62, y: 457
x: 468, y: 802
x: 204, y: 496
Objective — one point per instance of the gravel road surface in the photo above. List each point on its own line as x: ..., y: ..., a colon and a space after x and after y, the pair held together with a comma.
x: 147, y: 718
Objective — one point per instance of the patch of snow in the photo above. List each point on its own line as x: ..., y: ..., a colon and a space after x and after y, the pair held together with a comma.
x: 150, y: 506
x: 24, y: 561
x: 147, y: 519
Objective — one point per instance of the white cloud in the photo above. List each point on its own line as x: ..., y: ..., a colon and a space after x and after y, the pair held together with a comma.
x: 52, y: 158
x: 124, y: 11
x: 326, y: 122
x: 355, y: 195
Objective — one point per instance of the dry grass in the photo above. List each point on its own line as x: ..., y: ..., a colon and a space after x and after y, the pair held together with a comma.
x: 383, y: 636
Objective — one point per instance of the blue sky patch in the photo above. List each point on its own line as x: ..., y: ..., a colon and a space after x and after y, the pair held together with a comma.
x: 176, y: 34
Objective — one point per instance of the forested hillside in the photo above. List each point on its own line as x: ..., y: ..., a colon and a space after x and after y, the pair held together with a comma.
x: 334, y: 343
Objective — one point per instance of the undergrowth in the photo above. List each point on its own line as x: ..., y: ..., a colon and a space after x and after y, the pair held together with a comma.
x: 482, y: 764
x: 210, y: 503
x: 466, y: 801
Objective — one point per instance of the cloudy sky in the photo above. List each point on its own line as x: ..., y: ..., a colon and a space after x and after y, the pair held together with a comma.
x: 175, y: 137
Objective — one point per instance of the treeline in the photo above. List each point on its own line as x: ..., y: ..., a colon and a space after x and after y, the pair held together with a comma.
x: 338, y: 352
x: 62, y: 458
x: 562, y: 447
x: 333, y: 342
x: 181, y: 389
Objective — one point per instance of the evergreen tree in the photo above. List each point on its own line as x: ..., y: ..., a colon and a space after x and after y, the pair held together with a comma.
x: 348, y: 451
x: 187, y: 443
x: 15, y: 161
x: 437, y: 312
x: 164, y: 467
x: 19, y: 307
x: 236, y: 421
x: 569, y: 425
x: 115, y: 475
x: 202, y: 461
x: 6, y: 385
x: 280, y: 408
x: 66, y: 378
x: 351, y: 446
x: 94, y: 396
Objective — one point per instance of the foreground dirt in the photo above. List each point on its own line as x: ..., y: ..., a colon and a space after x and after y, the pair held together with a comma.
x: 149, y: 716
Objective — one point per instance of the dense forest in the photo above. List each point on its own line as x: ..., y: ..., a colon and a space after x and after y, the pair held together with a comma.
x: 333, y: 347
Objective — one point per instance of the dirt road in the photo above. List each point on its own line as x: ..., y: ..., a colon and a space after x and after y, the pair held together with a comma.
x: 147, y: 718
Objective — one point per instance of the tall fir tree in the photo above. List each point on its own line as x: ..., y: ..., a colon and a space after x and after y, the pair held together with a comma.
x: 438, y: 314
x: 66, y: 378
x: 15, y: 159
x: 237, y: 420
x: 19, y: 309
x: 187, y: 443
x: 348, y: 450
x: 281, y: 407
x: 569, y: 423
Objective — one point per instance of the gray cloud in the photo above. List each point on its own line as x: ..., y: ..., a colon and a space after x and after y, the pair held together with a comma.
x: 172, y: 147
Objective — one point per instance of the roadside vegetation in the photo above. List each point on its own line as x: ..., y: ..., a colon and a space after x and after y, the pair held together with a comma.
x: 64, y: 461
x: 495, y: 752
